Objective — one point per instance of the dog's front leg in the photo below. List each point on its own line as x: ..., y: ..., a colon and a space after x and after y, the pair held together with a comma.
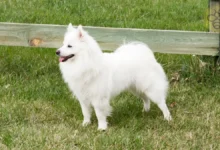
x: 102, y: 110
x: 86, y: 110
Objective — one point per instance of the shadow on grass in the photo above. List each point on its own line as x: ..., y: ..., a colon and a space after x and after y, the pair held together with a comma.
x: 129, y: 108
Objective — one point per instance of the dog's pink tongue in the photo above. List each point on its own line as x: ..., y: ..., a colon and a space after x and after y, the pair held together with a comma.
x: 61, y: 59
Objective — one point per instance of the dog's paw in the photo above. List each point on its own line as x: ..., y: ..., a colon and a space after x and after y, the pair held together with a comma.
x: 86, y: 123
x: 102, y: 126
x: 146, y: 109
x: 168, y: 117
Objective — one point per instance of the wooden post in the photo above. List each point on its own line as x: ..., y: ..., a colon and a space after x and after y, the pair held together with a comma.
x: 214, y: 16
x: 214, y: 22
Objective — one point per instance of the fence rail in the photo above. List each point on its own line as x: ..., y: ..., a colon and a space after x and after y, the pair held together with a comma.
x: 164, y: 41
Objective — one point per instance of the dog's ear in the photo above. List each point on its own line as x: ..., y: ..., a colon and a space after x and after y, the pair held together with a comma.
x: 81, y: 32
x: 70, y: 28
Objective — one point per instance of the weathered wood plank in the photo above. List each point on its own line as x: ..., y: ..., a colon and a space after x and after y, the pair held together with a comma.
x: 164, y: 41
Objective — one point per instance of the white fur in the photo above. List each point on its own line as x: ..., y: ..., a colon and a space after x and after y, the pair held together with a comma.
x: 95, y: 77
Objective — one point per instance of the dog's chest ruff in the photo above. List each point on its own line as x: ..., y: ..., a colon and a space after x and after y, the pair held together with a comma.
x: 81, y: 84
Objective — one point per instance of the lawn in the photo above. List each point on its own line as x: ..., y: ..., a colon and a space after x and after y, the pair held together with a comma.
x: 38, y: 112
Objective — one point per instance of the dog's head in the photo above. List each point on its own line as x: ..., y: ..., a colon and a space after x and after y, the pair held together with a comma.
x: 74, y: 43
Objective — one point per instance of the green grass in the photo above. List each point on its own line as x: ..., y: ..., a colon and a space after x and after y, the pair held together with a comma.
x: 37, y: 110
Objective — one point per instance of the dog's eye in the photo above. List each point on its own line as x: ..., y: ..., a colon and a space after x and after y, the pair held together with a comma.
x: 69, y: 46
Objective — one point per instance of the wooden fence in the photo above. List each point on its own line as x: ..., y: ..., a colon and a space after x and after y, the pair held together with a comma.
x: 164, y: 41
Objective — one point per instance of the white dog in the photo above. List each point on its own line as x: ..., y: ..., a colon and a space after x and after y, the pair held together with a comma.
x: 95, y: 77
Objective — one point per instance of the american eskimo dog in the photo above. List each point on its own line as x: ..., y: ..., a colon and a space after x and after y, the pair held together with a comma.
x: 95, y: 77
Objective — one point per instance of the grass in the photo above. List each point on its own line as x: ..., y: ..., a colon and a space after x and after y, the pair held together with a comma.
x: 37, y: 110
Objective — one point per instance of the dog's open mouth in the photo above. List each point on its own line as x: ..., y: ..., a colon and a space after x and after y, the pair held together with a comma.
x: 65, y: 58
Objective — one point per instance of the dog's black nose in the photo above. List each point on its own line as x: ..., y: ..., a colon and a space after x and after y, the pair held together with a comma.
x: 58, y: 52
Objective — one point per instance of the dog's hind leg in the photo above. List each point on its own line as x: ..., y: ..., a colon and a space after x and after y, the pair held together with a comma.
x: 159, y: 98
x: 102, y: 110
x: 146, y: 101
x: 165, y: 111
x: 144, y: 98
